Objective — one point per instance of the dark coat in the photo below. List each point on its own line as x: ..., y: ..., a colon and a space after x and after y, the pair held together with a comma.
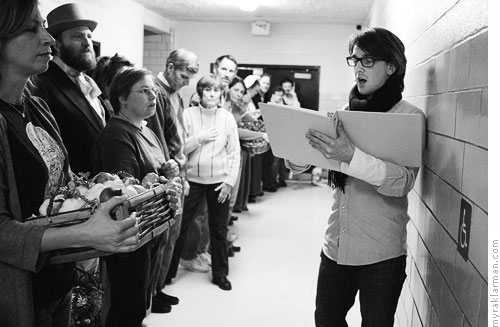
x: 79, y: 123
x: 20, y: 244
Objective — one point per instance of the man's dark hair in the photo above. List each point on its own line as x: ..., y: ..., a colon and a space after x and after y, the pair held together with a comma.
x: 287, y: 80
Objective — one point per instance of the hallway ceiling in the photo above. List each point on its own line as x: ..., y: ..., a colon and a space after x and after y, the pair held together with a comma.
x: 274, y: 11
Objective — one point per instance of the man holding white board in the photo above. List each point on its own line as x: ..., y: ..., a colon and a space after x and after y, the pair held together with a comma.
x: 365, y: 242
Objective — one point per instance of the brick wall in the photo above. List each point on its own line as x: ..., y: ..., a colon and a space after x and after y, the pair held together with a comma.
x: 447, y: 77
x: 156, y: 49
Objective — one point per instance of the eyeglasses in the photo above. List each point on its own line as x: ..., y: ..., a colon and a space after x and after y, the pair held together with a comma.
x: 147, y: 91
x: 365, y: 61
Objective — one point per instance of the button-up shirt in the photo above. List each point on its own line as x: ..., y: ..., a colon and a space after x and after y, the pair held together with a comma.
x: 86, y: 84
x: 367, y: 223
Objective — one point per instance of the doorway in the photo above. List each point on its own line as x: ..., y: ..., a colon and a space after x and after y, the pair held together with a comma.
x: 306, y: 80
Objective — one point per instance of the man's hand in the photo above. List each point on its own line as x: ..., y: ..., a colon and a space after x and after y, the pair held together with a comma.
x: 339, y: 148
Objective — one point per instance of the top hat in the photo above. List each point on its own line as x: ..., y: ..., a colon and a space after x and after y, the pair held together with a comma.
x: 67, y: 16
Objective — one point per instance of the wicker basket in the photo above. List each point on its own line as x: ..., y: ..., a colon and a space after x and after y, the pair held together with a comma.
x: 257, y: 146
x: 153, y: 214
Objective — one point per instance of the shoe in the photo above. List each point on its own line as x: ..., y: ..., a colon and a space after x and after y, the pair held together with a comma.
x: 231, y: 237
x: 205, y: 256
x: 168, y: 280
x: 269, y: 189
x: 168, y: 299
x: 223, y: 283
x: 236, y: 248
x: 230, y: 223
x: 230, y: 252
x: 251, y: 199
x: 236, y: 210
x: 244, y: 208
x: 260, y: 194
x: 234, y: 218
x: 195, y: 265
x: 282, y: 184
x: 160, y: 306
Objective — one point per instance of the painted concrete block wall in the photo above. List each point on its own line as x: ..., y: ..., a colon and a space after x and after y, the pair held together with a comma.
x: 447, y: 77
x: 120, y: 26
x: 289, y: 44
x: 156, y: 50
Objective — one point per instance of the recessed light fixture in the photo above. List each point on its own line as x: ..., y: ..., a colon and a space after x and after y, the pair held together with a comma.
x: 248, y: 5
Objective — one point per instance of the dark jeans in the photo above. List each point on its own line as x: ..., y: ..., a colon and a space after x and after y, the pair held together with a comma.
x: 256, y: 175
x: 269, y: 169
x: 197, y: 238
x: 54, y: 314
x: 217, y: 225
x: 129, y: 278
x: 379, y: 286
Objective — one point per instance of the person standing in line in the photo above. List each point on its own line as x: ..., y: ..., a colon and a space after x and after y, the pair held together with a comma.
x: 257, y: 161
x: 73, y: 97
x: 213, y: 150
x: 128, y: 146
x: 225, y: 68
x: 270, y: 162
x: 168, y: 124
x: 365, y: 241
x: 34, y: 165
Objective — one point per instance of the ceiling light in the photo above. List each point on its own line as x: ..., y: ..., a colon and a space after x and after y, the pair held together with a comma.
x: 248, y: 5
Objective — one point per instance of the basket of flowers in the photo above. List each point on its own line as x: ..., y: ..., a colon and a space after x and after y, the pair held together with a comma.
x: 75, y: 202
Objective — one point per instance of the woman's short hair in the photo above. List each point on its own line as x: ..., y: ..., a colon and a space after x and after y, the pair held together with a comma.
x: 209, y: 80
x: 383, y: 44
x: 107, y: 67
x: 122, y: 85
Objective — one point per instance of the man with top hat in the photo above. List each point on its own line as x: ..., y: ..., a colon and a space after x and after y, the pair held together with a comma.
x: 72, y: 96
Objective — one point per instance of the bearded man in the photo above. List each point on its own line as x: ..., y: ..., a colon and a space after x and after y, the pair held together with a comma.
x: 73, y: 97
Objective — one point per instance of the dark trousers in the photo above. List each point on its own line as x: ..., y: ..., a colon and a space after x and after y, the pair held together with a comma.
x: 256, y: 175
x: 217, y: 225
x: 245, y: 180
x: 282, y: 170
x: 54, y: 314
x: 379, y: 288
x: 269, y: 169
x: 129, y: 278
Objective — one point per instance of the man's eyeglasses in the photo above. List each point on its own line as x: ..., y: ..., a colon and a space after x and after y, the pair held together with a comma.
x: 365, y: 61
x: 147, y: 91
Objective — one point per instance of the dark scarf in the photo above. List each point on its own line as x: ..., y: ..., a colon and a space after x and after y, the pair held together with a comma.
x: 382, y: 101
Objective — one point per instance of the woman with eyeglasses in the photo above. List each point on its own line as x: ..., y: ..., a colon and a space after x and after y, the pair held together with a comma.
x: 365, y: 241
x: 127, y: 145
x: 33, y: 166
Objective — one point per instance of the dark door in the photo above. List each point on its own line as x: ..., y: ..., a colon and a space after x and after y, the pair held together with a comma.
x: 306, y: 80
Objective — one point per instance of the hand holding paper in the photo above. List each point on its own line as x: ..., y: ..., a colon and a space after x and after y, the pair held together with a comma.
x: 339, y: 148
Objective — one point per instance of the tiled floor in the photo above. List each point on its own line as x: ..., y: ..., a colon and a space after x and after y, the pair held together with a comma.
x: 274, y: 275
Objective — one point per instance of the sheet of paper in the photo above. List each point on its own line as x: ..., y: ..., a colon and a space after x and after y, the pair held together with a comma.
x: 392, y: 137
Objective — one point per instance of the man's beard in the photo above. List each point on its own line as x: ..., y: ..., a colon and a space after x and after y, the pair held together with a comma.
x: 77, y: 60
